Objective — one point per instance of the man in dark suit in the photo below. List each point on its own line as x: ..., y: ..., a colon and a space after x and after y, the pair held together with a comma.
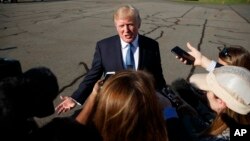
x: 111, y: 55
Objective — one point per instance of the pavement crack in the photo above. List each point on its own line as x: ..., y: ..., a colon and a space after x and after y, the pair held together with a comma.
x: 161, y: 34
x: 7, y: 48
x: 76, y: 79
x: 187, y: 11
x: 198, y: 47
x: 239, y: 14
x: 14, y: 34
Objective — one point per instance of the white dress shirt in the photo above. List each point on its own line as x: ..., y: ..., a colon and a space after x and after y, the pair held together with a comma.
x: 124, y: 46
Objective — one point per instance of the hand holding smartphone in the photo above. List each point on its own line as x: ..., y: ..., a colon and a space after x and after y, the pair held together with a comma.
x: 183, y: 54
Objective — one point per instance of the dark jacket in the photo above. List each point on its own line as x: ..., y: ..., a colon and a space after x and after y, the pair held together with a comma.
x: 108, y: 57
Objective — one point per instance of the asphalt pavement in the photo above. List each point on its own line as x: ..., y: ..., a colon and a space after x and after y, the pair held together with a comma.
x: 62, y: 35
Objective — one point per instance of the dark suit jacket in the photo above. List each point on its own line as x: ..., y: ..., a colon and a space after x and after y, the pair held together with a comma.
x: 108, y: 57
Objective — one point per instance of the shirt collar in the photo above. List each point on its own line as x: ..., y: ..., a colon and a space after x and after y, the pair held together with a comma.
x: 135, y: 42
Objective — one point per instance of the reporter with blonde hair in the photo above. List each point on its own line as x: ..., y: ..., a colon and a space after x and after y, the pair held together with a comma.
x: 125, y: 108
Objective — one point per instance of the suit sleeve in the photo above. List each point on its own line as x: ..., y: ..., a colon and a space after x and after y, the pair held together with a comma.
x: 160, y: 81
x: 151, y: 60
x: 94, y: 74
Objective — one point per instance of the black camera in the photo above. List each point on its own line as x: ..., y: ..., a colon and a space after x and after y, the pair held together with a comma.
x: 174, y: 99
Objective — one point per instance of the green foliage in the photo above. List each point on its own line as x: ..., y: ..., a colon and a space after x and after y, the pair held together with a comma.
x: 223, y: 1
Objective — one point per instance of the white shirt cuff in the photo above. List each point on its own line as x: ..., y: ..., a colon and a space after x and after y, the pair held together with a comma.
x: 76, y: 102
x: 211, y: 66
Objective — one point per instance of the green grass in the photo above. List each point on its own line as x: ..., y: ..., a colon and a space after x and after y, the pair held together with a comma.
x: 226, y: 1
x: 223, y: 1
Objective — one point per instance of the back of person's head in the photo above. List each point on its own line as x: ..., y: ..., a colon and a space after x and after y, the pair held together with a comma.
x: 6, y: 113
x: 6, y: 106
x: 23, y: 97
x: 9, y: 68
x: 127, y: 108
x: 12, y: 115
x: 10, y: 71
x: 40, y: 88
x: 229, y: 83
x: 128, y: 11
x: 10, y: 76
x: 9, y: 90
x: 235, y: 55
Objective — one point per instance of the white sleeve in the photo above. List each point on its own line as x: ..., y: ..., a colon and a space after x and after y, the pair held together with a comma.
x: 211, y: 66
x: 76, y: 101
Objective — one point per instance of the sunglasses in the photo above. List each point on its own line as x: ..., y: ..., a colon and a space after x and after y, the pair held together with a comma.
x: 223, y: 52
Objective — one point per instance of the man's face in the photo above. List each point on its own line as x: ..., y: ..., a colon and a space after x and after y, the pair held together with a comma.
x: 127, y: 29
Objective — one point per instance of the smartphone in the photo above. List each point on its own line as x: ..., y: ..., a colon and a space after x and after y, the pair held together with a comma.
x: 183, y: 54
x: 107, y: 75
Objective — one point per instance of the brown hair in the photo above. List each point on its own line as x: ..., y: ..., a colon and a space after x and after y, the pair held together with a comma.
x: 237, y: 56
x: 127, y: 109
x: 220, y: 123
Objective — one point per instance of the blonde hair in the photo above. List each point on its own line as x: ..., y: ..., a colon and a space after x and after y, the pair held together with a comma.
x: 127, y: 11
x: 127, y: 109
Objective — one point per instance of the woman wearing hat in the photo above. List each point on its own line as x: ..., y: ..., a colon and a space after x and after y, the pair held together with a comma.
x: 228, y: 95
x: 232, y: 55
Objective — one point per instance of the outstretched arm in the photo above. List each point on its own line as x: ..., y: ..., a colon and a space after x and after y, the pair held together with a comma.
x: 88, y: 105
x: 200, y: 59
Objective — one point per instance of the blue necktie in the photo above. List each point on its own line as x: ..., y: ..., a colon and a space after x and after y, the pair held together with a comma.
x: 130, y: 62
